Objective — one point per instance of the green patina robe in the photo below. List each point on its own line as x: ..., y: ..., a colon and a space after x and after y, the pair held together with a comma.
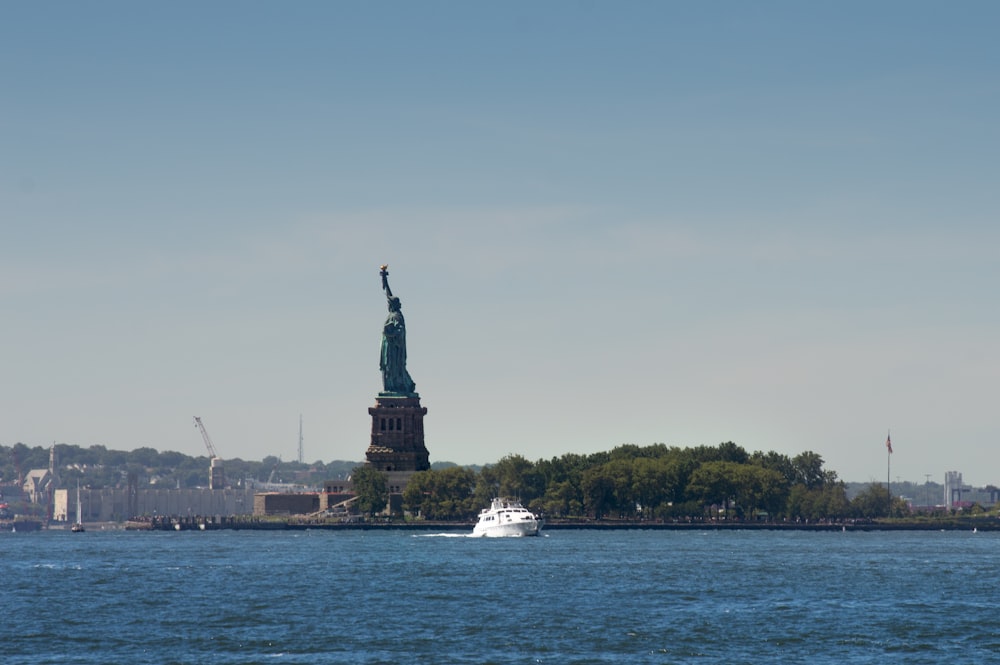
x: 395, y: 378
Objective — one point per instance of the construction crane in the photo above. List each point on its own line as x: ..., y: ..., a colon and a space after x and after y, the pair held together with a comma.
x: 216, y: 476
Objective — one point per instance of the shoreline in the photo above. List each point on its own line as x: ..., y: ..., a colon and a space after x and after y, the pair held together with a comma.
x: 250, y: 523
x: 986, y: 524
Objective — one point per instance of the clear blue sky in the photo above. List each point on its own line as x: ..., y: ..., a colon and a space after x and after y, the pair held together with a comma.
x: 774, y: 223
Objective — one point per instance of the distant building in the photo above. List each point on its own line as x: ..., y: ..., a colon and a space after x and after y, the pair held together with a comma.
x: 37, y: 485
x: 954, y: 489
x: 116, y: 504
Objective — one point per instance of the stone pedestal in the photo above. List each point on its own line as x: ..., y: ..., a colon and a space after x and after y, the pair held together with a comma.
x: 397, y: 444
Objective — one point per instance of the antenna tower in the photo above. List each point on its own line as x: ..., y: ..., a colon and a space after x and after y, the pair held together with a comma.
x: 301, y: 452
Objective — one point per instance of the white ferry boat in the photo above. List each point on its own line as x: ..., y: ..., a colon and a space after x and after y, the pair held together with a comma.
x: 506, y: 517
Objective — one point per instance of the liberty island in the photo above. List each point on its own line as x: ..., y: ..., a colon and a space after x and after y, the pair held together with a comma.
x: 648, y: 487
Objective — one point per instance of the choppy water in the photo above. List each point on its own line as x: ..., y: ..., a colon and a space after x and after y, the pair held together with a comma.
x: 568, y: 597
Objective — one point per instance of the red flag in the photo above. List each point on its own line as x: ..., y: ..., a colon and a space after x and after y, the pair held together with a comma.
x: 888, y: 443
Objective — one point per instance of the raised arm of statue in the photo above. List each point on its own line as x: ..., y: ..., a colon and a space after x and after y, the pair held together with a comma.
x: 384, y: 271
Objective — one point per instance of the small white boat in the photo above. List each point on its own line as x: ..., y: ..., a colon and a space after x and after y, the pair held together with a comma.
x: 506, y: 517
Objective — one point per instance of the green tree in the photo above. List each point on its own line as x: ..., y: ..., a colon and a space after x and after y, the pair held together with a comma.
x: 518, y: 478
x: 30, y: 458
x: 458, y: 485
x: 800, y: 503
x: 418, y: 488
x: 171, y: 459
x: 372, y: 489
x: 871, y: 502
x: 487, y: 486
x: 650, y: 480
x: 562, y: 499
x: 679, y: 468
x: 114, y: 458
x: 758, y: 488
x: 730, y: 452
x: 808, y: 469
x: 776, y: 462
x: 146, y: 457
x: 714, y: 483
x: 442, y: 495
x: 619, y: 472
x: 598, y: 489
x: 834, y: 497
x: 562, y: 477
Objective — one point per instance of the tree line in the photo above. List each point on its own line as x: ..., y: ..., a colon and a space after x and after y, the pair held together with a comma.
x: 98, y: 467
x: 629, y: 482
x: 656, y: 482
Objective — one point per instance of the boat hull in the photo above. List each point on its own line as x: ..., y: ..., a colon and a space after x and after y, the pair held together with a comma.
x: 506, y: 518
x: 514, y: 530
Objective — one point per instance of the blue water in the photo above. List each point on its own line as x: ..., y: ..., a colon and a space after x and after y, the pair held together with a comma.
x: 568, y: 597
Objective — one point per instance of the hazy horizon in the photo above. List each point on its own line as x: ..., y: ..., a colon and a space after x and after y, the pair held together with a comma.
x: 769, y: 223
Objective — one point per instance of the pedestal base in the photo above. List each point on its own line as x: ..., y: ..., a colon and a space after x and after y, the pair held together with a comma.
x: 397, y: 442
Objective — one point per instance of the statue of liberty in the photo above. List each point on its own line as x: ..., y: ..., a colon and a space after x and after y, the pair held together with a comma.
x: 395, y: 378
